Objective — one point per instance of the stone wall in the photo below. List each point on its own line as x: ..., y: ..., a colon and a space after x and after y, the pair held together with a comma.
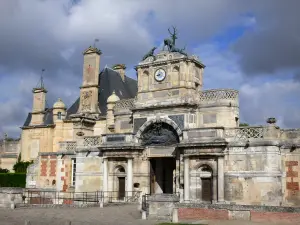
x: 9, y: 152
x: 238, y: 212
x: 253, y: 175
x: 9, y: 196
x: 89, y: 172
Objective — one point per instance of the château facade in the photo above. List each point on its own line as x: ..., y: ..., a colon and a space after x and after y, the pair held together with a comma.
x: 160, y: 134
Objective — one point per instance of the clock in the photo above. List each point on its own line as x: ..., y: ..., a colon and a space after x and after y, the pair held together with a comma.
x: 160, y: 75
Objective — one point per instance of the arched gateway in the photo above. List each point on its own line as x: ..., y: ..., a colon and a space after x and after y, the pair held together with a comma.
x: 160, y: 140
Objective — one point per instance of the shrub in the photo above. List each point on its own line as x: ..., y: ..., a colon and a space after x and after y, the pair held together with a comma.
x: 13, y: 180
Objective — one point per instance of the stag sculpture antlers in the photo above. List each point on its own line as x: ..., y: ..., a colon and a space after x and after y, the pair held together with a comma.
x: 170, y: 43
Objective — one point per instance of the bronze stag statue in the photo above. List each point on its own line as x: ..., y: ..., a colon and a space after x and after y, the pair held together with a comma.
x: 170, y: 43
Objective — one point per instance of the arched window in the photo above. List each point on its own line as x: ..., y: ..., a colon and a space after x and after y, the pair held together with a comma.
x: 59, y: 115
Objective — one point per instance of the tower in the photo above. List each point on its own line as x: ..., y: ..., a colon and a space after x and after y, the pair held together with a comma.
x: 39, y: 104
x: 90, y: 82
x: 168, y: 78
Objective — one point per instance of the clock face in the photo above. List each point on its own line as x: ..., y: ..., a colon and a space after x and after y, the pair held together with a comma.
x: 160, y: 75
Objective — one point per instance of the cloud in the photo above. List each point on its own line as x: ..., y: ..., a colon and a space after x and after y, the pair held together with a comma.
x: 273, y: 45
x: 259, y: 99
x: 48, y: 34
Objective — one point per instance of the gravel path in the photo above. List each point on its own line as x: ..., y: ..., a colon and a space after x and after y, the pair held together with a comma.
x: 111, y: 215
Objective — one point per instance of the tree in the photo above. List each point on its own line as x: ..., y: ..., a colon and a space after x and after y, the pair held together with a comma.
x: 21, y: 166
x: 244, y: 125
x: 4, y: 170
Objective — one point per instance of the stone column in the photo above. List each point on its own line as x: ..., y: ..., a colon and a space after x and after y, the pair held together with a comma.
x: 215, y: 188
x: 129, y: 177
x: 105, y: 177
x: 59, y: 183
x: 220, y: 179
x: 186, y: 179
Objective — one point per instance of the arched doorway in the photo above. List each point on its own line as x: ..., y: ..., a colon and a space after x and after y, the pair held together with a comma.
x: 120, y: 175
x: 158, y: 137
x: 206, y: 182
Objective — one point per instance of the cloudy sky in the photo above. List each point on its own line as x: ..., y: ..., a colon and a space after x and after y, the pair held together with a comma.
x: 252, y: 46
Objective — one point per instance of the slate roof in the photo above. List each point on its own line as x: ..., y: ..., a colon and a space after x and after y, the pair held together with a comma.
x: 109, y: 81
x: 48, y: 118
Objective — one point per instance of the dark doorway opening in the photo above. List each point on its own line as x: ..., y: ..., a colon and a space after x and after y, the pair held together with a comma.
x: 206, y: 189
x: 161, y: 175
x: 121, y: 187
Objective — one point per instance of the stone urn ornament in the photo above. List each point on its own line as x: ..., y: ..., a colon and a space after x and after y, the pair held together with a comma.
x: 271, y: 120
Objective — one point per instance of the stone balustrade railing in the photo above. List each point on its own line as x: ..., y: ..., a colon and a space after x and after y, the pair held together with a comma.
x: 67, y: 145
x: 244, y: 132
x: 216, y: 95
x: 290, y: 134
x: 124, y: 104
x: 92, y: 141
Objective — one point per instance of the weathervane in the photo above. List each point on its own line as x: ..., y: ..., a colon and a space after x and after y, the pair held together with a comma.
x: 96, y: 40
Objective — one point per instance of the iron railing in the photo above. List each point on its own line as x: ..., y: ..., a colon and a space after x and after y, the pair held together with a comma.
x: 115, y: 196
x: 43, y: 197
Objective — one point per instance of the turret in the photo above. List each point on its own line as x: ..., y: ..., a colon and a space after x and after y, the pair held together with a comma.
x: 59, y: 111
x: 111, y: 102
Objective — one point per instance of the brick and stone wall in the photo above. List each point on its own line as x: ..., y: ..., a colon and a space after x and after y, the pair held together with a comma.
x: 291, y: 167
x: 239, y: 212
x: 48, y: 171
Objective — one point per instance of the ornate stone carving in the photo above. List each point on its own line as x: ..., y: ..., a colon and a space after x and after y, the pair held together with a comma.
x: 86, y: 100
x: 159, y: 134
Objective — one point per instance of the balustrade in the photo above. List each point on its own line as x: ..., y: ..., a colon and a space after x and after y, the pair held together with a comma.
x: 67, y: 145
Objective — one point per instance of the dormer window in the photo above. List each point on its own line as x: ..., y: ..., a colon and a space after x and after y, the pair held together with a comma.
x: 59, y: 115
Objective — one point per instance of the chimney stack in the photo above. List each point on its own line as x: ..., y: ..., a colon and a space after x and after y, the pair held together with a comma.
x: 120, y: 68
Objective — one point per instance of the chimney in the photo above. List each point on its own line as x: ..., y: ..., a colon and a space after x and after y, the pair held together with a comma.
x: 39, y: 104
x: 120, y: 68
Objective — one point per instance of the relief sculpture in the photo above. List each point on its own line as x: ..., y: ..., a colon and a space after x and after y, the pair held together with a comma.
x: 159, y: 134
x: 86, y: 100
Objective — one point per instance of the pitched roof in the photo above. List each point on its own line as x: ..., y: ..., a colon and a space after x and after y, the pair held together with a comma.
x: 109, y: 81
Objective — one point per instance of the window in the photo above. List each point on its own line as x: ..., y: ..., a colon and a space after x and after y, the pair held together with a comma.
x: 59, y: 115
x: 73, y: 172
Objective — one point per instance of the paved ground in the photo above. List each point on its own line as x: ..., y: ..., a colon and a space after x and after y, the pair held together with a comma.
x: 112, y: 215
